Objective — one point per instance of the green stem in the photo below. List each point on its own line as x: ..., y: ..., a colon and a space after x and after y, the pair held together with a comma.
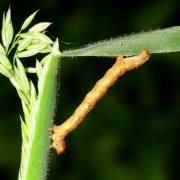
x: 34, y: 164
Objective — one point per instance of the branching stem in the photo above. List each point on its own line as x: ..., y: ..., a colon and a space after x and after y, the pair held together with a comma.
x: 121, y: 66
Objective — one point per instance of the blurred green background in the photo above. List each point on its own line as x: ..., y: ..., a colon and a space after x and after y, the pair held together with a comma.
x: 133, y: 133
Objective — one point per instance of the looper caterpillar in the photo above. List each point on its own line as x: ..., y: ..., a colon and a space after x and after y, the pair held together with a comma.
x: 121, y: 66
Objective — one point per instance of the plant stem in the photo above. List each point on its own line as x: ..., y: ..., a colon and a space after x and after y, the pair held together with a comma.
x: 34, y: 165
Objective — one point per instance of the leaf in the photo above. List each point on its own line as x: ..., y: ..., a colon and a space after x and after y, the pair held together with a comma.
x: 7, y: 29
x: 39, y: 69
x: 8, y: 16
x: 36, y: 36
x: 47, y: 49
x: 24, y: 44
x: 33, y: 97
x: 2, y: 50
x: 5, y: 71
x: 9, y: 34
x: 15, y: 83
x: 37, y: 47
x: 158, y: 41
x: 28, y: 20
x: 22, y: 76
x: 24, y: 54
x: 41, y: 48
x: 25, y: 36
x: 3, y: 29
x: 26, y: 111
x: 42, y: 37
x: 25, y: 130
x: 23, y: 97
x: 40, y: 27
x: 5, y: 62
x: 43, y: 61
x: 30, y: 70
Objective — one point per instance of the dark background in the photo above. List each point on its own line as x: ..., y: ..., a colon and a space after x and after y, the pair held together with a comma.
x: 133, y: 133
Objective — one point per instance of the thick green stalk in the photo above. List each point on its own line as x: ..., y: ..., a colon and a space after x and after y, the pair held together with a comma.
x: 34, y: 164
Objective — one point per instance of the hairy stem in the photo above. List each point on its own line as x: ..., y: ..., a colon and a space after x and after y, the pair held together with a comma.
x: 34, y: 162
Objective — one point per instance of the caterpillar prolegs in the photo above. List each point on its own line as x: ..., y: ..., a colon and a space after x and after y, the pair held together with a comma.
x: 121, y: 66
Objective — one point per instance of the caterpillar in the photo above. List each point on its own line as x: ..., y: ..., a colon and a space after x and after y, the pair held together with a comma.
x: 121, y: 66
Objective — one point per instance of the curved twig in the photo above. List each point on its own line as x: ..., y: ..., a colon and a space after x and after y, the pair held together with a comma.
x: 121, y: 66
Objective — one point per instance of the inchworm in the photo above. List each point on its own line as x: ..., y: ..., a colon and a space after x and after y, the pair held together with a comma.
x: 121, y: 66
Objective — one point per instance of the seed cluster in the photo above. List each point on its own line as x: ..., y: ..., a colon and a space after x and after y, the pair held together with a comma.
x: 29, y: 41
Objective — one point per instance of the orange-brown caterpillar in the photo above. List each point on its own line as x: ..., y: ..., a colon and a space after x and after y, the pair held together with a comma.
x: 121, y: 66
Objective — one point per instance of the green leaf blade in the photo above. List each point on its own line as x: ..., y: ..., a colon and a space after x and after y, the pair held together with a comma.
x: 158, y: 41
x: 40, y: 27
x: 5, y: 62
x: 22, y: 76
x: 7, y: 29
x: 24, y: 44
x: 28, y: 21
x: 8, y: 16
x: 2, y: 50
x: 27, y: 53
